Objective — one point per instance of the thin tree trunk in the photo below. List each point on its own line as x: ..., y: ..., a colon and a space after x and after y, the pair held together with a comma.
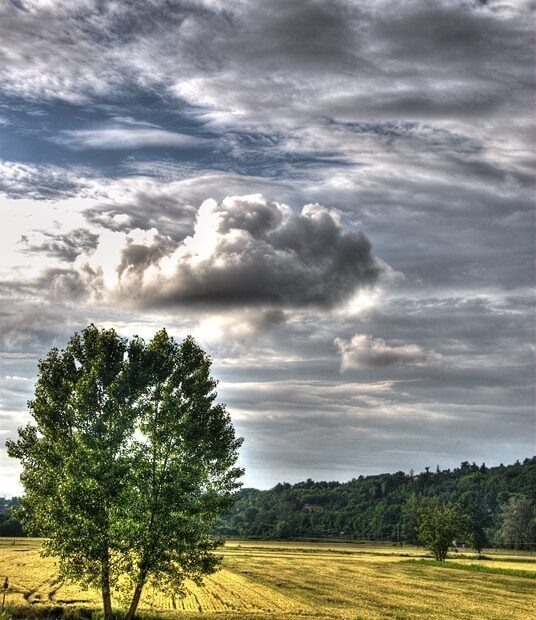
x: 154, y: 499
x: 106, y: 594
x: 135, y: 598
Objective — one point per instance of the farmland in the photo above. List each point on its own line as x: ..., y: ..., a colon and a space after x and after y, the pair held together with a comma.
x: 304, y: 580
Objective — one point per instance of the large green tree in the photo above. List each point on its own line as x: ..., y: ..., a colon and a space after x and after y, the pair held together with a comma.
x: 518, y: 522
x: 128, y: 463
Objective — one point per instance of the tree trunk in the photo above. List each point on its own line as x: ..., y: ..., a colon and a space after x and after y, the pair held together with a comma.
x: 135, y: 598
x: 106, y: 594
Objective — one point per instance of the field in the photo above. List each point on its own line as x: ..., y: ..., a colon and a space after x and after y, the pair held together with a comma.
x: 288, y: 581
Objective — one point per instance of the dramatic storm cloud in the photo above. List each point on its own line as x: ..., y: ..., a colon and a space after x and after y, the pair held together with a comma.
x: 335, y: 198
x: 243, y: 251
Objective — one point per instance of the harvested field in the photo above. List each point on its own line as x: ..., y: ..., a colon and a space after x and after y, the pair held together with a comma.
x: 295, y: 580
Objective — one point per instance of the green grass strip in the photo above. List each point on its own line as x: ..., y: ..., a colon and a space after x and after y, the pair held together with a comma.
x: 476, y: 568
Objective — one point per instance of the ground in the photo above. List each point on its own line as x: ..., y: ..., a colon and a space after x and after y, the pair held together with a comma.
x: 277, y: 580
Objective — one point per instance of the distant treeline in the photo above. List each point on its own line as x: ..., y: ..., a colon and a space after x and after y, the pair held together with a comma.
x: 500, y: 503
x: 387, y: 506
x: 9, y: 526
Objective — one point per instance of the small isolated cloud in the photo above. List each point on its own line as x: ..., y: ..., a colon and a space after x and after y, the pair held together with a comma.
x: 127, y: 134
x: 364, y: 351
x: 243, y: 251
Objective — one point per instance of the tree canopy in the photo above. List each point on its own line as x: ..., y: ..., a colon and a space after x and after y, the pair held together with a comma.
x: 128, y: 463
x: 518, y: 527
x: 384, y: 506
x: 439, y: 526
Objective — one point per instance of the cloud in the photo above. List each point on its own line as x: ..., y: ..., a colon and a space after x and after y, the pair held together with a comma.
x: 86, y: 50
x: 409, y: 120
x: 236, y: 327
x: 125, y: 135
x: 166, y: 203
x: 39, y: 182
x: 364, y: 351
x: 358, y: 61
x: 27, y: 330
x: 287, y: 61
x: 243, y: 251
x: 65, y: 246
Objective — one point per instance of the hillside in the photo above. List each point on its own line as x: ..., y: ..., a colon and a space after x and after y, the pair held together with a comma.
x: 380, y: 507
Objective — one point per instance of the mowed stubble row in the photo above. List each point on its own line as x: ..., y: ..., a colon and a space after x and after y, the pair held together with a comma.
x: 294, y: 580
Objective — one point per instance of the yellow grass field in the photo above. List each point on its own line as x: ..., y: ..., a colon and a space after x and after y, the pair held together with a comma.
x: 277, y: 581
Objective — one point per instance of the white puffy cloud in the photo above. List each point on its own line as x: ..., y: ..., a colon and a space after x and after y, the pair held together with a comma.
x: 243, y: 251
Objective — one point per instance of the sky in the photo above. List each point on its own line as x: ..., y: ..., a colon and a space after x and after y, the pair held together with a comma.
x: 334, y: 198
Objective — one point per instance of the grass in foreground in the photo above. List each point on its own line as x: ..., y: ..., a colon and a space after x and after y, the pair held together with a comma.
x: 295, y: 581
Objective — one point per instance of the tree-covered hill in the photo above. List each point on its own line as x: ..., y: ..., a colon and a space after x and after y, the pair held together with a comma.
x: 387, y: 506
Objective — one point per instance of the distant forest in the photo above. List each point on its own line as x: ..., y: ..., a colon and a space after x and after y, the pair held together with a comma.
x: 9, y: 526
x: 387, y: 506
x: 500, y: 503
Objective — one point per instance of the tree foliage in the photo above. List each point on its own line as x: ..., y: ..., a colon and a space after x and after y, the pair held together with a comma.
x: 439, y: 526
x: 9, y: 526
x: 518, y: 523
x: 129, y: 462
x: 384, y: 506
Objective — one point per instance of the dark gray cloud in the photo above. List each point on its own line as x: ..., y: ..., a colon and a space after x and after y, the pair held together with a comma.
x: 147, y: 204
x: 29, y: 329
x: 65, y: 246
x: 368, y: 69
x: 285, y: 60
x: 247, y: 250
x: 68, y: 284
x: 447, y: 32
x: 168, y: 201
x: 363, y: 350
x: 491, y: 325
x: 309, y: 36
